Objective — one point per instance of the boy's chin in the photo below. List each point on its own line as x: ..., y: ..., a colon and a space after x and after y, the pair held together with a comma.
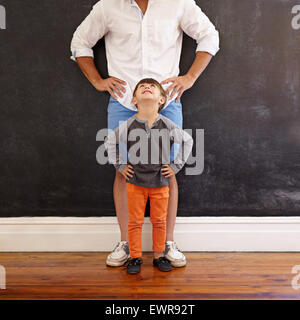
x: 148, y: 98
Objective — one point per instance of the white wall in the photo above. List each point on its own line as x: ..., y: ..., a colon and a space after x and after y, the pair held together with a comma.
x: 191, y: 234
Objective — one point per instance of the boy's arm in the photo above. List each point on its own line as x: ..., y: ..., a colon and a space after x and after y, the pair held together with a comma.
x: 117, y: 155
x: 186, y: 144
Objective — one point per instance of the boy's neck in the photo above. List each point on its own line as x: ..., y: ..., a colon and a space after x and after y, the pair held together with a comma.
x: 147, y: 112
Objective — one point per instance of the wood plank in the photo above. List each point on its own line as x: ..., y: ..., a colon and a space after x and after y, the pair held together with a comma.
x: 206, y: 276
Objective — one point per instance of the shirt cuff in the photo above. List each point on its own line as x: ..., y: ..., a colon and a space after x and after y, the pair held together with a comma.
x: 174, y: 167
x: 85, y: 52
x: 121, y: 167
x: 210, y: 49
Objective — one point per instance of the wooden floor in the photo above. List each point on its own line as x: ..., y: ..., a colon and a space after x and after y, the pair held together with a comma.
x: 206, y: 276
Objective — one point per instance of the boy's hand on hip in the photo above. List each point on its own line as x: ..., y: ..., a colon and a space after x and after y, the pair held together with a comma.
x: 180, y: 84
x: 167, y: 171
x: 127, y: 172
x: 113, y: 85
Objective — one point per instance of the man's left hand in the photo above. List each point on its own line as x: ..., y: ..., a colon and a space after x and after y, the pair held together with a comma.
x: 180, y: 84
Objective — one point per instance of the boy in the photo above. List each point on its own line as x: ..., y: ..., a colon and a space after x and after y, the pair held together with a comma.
x: 147, y: 168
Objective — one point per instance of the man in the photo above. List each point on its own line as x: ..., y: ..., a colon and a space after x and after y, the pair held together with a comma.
x: 143, y: 39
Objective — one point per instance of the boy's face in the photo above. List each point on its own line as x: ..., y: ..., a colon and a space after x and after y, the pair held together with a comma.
x: 148, y: 92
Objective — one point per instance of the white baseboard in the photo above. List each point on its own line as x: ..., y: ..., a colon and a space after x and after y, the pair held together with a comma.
x: 56, y: 234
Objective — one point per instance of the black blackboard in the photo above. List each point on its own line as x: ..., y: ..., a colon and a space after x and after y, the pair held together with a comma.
x: 247, y: 102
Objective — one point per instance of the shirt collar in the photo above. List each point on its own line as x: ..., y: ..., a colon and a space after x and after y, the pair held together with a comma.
x: 145, y: 121
x: 133, y: 3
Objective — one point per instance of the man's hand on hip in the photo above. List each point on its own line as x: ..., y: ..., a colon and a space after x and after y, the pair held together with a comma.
x: 179, y: 84
x: 113, y: 85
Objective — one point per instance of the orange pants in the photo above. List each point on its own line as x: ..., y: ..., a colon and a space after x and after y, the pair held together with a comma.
x: 137, y: 199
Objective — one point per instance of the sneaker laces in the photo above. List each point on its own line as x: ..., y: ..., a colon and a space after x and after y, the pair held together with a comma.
x: 173, y: 246
x: 120, y: 246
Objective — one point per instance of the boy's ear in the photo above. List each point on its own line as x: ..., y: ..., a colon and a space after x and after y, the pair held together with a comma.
x: 134, y: 100
x: 162, y: 100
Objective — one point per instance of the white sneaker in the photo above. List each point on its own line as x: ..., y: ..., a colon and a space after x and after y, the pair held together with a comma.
x: 119, y: 255
x: 173, y: 254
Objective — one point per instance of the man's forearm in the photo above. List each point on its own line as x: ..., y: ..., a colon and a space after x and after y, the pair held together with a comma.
x: 114, y: 86
x: 87, y: 66
x: 182, y: 83
x: 201, y: 61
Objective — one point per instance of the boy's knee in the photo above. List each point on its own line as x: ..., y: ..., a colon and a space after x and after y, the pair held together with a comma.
x: 135, y: 224
x: 136, y: 221
x: 158, y: 222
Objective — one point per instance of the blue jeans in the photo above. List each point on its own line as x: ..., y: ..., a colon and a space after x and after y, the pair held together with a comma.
x: 116, y: 113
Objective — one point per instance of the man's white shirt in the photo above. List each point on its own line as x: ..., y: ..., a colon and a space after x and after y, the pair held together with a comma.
x: 146, y: 46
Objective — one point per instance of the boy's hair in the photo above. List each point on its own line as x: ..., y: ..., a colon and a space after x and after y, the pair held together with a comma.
x: 153, y: 81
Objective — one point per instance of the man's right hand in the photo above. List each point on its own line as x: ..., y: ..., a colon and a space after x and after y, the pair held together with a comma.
x: 113, y: 85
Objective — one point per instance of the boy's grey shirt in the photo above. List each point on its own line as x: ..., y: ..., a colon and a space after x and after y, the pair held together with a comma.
x: 147, y: 149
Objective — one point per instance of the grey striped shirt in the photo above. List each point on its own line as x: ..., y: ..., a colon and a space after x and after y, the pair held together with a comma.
x: 147, y: 149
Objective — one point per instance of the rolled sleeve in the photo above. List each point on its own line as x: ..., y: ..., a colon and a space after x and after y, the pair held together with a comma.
x: 186, y: 144
x: 87, y: 34
x: 175, y: 168
x: 198, y: 26
x: 114, y: 144
x: 85, y: 52
x: 121, y: 167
